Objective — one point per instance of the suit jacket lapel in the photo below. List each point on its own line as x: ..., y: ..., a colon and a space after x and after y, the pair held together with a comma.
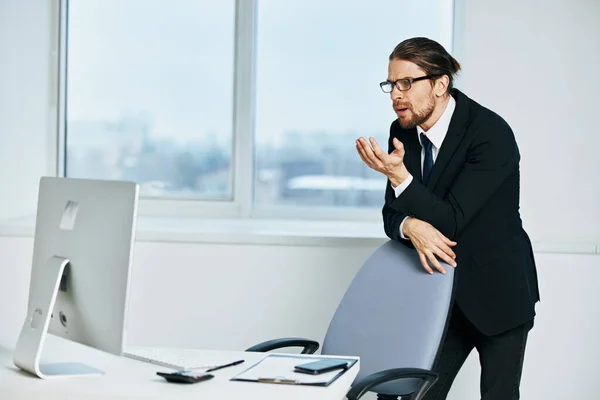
x: 456, y: 131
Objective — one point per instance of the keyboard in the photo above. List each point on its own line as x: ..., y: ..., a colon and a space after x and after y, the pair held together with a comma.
x: 176, y: 358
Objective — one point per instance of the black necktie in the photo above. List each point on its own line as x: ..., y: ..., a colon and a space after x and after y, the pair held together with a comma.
x: 428, y: 161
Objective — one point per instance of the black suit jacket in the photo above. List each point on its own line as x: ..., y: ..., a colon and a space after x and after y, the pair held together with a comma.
x: 472, y: 197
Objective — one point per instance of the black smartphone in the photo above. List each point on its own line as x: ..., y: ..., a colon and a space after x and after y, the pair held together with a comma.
x: 184, y: 377
x: 321, y: 366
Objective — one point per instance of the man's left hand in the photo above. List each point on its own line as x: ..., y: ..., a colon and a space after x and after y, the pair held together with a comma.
x: 430, y: 244
x: 391, y: 165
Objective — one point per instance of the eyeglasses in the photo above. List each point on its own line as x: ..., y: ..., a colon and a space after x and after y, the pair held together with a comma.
x: 402, y: 84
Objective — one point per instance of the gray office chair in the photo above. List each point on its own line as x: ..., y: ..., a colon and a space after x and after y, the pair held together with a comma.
x: 394, y: 316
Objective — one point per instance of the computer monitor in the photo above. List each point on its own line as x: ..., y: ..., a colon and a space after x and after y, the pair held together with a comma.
x: 82, y: 255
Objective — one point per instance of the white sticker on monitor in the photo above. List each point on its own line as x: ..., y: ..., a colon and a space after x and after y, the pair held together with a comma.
x: 67, y: 222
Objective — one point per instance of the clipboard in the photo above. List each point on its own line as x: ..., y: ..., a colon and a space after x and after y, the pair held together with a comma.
x: 279, y: 369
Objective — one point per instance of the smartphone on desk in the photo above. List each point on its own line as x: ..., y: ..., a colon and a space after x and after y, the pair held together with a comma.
x: 321, y: 366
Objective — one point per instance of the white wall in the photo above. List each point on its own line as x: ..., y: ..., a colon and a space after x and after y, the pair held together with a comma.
x: 535, y: 62
x: 294, y: 289
x: 25, y: 103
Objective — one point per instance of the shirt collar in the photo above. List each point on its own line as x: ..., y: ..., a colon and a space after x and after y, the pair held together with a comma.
x: 437, y: 132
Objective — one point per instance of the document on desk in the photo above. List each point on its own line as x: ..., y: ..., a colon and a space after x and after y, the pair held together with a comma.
x: 279, y: 368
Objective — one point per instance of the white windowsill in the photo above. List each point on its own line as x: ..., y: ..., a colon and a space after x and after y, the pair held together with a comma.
x: 270, y: 232
x: 241, y: 231
x: 260, y: 231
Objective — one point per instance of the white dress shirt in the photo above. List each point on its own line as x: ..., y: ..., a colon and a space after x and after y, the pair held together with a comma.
x: 436, y: 135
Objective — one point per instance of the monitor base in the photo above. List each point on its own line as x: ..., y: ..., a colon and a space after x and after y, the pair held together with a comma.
x: 35, y: 328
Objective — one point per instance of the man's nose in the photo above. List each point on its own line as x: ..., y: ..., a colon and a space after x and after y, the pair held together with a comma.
x: 396, y: 93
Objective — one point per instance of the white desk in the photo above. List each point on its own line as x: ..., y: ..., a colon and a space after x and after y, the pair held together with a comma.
x: 130, y: 379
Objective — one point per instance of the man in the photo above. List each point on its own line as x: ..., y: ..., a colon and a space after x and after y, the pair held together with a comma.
x: 453, y: 192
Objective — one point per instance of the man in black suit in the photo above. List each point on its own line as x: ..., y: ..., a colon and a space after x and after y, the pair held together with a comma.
x: 453, y: 192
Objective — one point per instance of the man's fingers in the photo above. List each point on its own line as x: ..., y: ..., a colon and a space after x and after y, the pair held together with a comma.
x: 397, y: 144
x: 446, y: 240
x: 424, y: 262
x: 446, y: 250
x: 361, y: 153
x: 369, y: 153
x: 436, y: 263
x: 449, y: 242
x: 441, y: 253
x: 363, y: 156
x: 377, y: 150
x: 441, y: 244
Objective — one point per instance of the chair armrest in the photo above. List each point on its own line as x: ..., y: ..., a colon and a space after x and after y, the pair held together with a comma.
x: 362, y: 386
x: 309, y: 346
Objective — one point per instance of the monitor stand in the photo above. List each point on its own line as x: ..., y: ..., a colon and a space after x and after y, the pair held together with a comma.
x: 35, y: 328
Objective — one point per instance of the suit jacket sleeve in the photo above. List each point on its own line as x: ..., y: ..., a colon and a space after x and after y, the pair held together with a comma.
x: 491, y: 158
x: 391, y: 217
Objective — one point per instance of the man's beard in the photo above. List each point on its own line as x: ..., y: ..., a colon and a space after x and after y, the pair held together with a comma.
x: 419, y: 117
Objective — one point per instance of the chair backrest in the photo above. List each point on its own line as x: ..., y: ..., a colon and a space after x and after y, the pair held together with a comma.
x: 393, y: 315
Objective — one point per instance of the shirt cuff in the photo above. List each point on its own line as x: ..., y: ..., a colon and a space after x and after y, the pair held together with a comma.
x: 401, y: 226
x: 402, y: 187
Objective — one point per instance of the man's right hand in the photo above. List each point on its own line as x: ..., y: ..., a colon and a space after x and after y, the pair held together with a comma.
x: 429, y: 243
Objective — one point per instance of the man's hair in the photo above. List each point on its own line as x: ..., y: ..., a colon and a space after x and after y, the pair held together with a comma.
x: 429, y: 55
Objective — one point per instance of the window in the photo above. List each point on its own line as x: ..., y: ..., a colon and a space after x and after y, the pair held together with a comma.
x: 318, y: 68
x: 256, y: 103
x: 149, y: 94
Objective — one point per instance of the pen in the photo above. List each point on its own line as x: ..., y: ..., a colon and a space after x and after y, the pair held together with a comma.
x: 225, y: 365
x: 279, y: 380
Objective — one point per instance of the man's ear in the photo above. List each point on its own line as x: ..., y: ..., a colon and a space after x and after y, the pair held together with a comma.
x: 441, y: 85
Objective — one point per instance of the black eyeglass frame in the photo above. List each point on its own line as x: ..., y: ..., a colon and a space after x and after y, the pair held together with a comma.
x: 408, y: 80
